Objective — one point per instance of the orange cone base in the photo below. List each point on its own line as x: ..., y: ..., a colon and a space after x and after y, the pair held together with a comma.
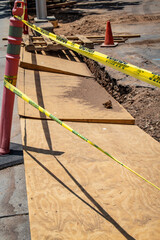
x: 109, y: 45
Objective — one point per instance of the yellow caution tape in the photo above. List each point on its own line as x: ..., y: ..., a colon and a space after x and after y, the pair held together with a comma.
x: 23, y: 9
x: 11, y: 79
x: 129, y: 69
x: 35, y: 105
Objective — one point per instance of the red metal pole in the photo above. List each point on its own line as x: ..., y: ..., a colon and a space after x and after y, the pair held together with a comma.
x: 25, y: 27
x: 11, y: 70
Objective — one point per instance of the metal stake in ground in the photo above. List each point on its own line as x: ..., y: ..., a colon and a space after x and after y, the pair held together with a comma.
x: 41, y: 9
x: 25, y: 27
x: 11, y: 69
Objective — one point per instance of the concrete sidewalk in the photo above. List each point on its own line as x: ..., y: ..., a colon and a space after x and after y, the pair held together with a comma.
x: 14, y: 221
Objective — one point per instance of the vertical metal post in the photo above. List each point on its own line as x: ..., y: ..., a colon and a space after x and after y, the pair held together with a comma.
x: 25, y: 27
x: 41, y: 9
x: 11, y: 70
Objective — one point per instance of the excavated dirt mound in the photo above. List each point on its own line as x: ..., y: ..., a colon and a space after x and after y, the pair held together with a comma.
x: 78, y: 23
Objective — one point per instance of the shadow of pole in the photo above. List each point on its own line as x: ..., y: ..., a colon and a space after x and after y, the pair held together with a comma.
x: 100, y: 210
x: 41, y: 103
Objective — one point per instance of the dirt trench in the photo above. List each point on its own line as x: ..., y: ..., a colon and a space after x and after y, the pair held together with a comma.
x: 141, y: 102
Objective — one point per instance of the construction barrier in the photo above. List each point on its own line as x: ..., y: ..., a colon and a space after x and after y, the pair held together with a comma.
x: 121, y: 66
x: 11, y: 69
x: 35, y: 105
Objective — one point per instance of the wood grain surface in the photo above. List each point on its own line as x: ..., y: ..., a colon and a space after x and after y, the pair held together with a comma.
x: 53, y: 64
x: 76, y: 192
x: 69, y: 98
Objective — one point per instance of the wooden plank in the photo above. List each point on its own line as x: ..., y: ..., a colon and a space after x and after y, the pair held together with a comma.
x: 72, y: 56
x: 53, y: 64
x: 102, y: 41
x: 72, y: 37
x: 128, y: 36
x: 115, y: 36
x: 69, y: 98
x: 39, y: 43
x: 29, y: 46
x: 45, y: 44
x: 48, y: 42
x: 87, y: 42
x: 55, y: 47
x: 37, y: 38
x: 56, y: 161
x: 93, y: 39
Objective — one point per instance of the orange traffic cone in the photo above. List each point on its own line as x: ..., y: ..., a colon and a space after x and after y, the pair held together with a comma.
x: 108, y: 42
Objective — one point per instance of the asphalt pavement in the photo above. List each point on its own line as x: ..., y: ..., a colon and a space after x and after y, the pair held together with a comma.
x: 142, y: 52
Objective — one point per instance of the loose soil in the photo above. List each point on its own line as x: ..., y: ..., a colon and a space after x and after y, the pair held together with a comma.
x: 70, y: 24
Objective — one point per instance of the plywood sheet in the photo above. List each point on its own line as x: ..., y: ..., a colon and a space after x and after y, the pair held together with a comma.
x: 69, y: 98
x: 53, y: 64
x: 76, y: 192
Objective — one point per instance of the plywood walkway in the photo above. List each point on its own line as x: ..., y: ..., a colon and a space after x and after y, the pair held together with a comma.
x: 54, y: 64
x: 72, y: 98
x: 74, y: 191
x: 69, y: 98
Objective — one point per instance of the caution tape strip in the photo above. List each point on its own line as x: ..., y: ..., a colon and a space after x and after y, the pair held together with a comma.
x: 129, y: 69
x: 11, y: 79
x: 35, y: 105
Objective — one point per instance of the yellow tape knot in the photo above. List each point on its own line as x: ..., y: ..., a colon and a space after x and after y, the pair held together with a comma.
x: 11, y: 79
